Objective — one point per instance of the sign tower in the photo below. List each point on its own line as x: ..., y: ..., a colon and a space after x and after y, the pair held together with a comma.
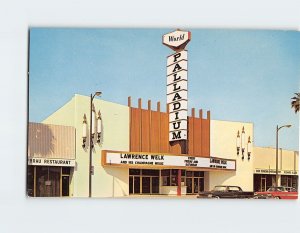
x: 177, y: 88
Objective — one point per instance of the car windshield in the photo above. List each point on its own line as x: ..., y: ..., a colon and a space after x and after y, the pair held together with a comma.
x: 277, y: 189
x: 290, y: 189
x: 220, y: 188
x: 233, y: 189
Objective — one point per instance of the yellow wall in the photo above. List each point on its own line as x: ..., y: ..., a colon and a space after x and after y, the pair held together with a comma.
x: 223, y: 145
x: 63, y: 116
x: 106, y: 181
x: 265, y: 157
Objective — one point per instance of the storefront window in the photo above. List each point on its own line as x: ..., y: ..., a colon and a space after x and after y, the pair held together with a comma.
x: 174, y: 180
x: 295, y: 182
x: 189, y: 173
x: 182, y: 172
x: 270, y: 181
x: 48, y: 181
x: 143, y: 181
x: 286, y: 181
x: 166, y: 177
x: 198, y: 174
x: 174, y: 172
x: 174, y: 177
x: 43, y: 181
x: 65, y: 170
x: 194, y: 181
x: 134, y: 172
x: 148, y: 172
x: 165, y: 172
x: 170, y: 177
x: 183, y: 177
x: 30, y: 181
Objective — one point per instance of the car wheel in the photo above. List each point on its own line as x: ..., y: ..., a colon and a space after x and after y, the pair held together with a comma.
x: 216, y: 197
x: 276, y: 197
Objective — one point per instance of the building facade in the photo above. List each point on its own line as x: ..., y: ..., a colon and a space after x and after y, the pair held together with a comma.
x: 265, y: 168
x: 132, y: 155
x: 51, y: 159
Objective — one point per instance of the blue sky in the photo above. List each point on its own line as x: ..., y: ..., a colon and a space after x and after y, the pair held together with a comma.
x: 239, y: 75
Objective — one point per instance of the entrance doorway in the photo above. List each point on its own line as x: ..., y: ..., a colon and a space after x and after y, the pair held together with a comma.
x: 143, y: 181
x: 194, y: 182
x: 48, y: 181
x: 263, y: 182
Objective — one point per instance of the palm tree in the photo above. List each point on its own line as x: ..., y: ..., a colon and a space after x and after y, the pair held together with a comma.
x: 296, y: 102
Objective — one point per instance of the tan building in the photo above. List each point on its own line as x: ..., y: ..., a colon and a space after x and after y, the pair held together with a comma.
x: 265, y: 168
x: 51, y: 159
x: 132, y: 155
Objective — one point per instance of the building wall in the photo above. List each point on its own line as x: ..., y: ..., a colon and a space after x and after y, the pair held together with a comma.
x: 51, y: 141
x: 149, y: 132
x: 223, y: 136
x: 63, y: 116
x: 106, y: 181
x: 265, y: 157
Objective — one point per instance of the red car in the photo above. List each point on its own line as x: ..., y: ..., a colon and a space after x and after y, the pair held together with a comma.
x: 279, y: 192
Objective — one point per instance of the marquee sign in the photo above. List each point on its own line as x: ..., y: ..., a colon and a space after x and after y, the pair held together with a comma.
x: 51, y: 162
x: 177, y: 87
x: 138, y: 159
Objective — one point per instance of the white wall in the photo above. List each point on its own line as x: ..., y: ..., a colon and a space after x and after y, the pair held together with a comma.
x: 106, y: 181
x: 223, y: 145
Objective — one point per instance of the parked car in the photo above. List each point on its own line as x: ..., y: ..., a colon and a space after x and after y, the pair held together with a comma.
x: 226, y: 191
x: 279, y: 192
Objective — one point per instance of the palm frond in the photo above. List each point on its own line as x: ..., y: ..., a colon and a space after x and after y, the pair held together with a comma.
x: 295, y: 104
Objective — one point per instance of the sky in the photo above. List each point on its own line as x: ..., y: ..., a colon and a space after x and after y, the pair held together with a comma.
x: 239, y: 75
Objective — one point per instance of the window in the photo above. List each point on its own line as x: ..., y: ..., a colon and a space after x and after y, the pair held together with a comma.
x: 174, y: 180
x: 233, y: 189
x: 183, y: 180
x: 189, y: 173
x: 48, y: 181
x: 220, y: 188
x: 174, y: 177
x: 65, y: 170
x: 170, y: 177
x: 147, y: 172
x: 182, y: 172
x: 166, y: 177
x: 134, y: 172
x: 196, y: 174
x: 30, y: 181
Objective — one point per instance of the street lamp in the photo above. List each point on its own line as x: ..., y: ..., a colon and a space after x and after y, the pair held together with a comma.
x: 277, y: 130
x: 97, y: 93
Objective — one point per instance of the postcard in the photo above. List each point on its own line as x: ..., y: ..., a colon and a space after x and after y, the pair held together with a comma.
x: 163, y: 113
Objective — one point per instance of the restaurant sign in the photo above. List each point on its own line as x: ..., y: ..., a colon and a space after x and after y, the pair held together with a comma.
x: 159, y: 160
x: 51, y: 162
